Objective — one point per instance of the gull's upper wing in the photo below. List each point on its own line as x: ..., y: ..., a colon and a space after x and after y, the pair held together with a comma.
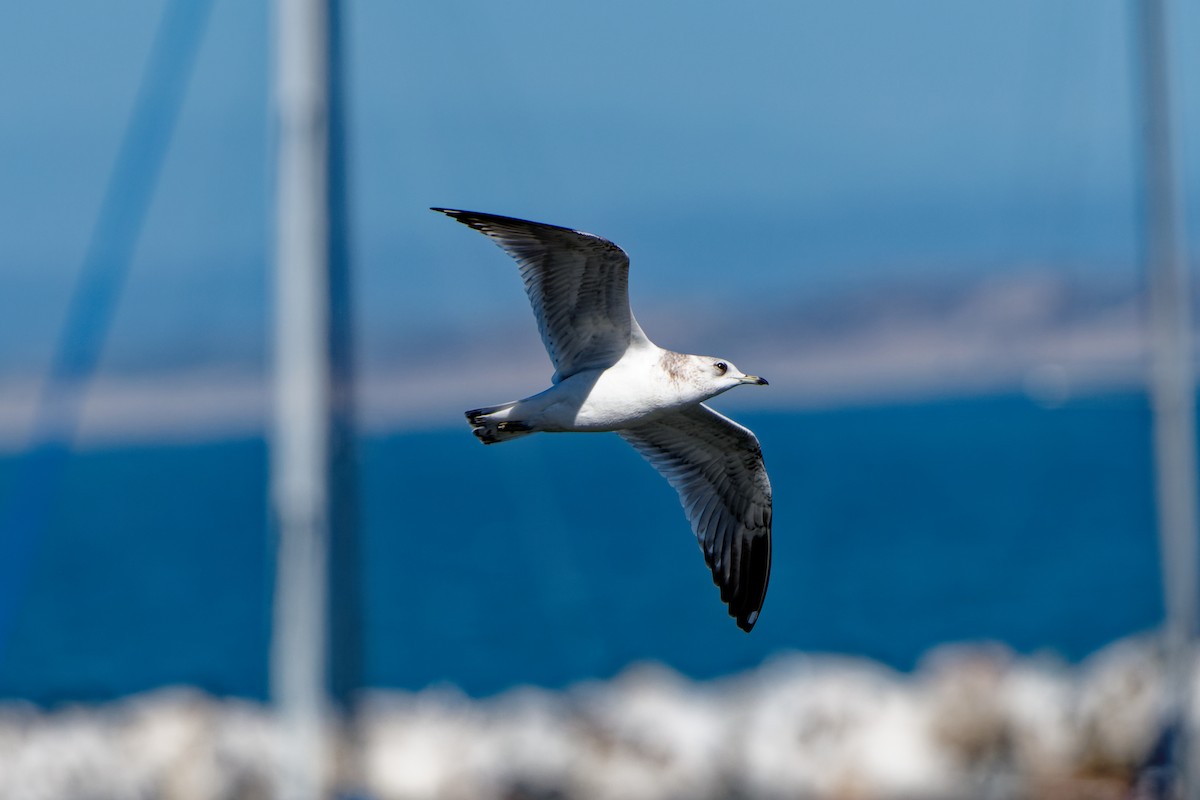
x: 716, y: 466
x: 577, y: 283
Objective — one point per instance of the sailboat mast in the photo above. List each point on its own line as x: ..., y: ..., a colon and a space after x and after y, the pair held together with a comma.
x: 312, y: 436
x: 1172, y: 381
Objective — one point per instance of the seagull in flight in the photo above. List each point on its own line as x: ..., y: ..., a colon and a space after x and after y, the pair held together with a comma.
x: 610, y: 377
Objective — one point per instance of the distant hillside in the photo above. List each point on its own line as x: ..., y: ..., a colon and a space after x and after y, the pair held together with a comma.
x: 1032, y: 331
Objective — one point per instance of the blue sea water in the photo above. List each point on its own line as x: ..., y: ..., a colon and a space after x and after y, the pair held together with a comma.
x: 553, y: 559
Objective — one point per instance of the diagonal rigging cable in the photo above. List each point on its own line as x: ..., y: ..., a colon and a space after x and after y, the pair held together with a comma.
x: 127, y: 197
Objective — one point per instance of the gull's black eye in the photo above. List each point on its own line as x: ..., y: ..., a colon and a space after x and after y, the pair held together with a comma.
x: 721, y: 367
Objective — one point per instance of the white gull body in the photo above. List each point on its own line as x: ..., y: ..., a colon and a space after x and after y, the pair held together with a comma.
x: 610, y: 377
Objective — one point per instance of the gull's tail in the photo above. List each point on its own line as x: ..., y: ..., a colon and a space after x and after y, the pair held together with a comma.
x: 491, y: 425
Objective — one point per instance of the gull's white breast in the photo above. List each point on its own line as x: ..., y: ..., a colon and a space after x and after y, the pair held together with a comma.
x: 632, y: 391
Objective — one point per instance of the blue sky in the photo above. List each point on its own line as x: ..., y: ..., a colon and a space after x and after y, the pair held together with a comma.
x: 746, y: 153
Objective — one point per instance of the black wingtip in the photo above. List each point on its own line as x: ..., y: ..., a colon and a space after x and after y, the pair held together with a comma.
x: 748, y: 592
x: 481, y: 220
x: 474, y: 219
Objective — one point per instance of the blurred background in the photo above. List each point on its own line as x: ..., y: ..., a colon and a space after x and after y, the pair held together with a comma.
x: 922, y: 222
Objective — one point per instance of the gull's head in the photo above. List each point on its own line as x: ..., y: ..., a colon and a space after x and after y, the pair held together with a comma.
x: 718, y: 375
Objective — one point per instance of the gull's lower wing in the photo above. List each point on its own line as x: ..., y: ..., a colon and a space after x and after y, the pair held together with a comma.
x: 716, y: 466
x: 577, y: 283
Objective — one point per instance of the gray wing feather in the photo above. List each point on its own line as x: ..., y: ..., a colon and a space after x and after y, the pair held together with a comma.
x: 578, y: 285
x: 716, y: 466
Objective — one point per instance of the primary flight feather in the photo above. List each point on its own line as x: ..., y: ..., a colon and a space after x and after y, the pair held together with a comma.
x: 610, y: 377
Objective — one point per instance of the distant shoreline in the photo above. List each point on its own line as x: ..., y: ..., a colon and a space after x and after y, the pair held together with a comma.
x: 1031, y: 333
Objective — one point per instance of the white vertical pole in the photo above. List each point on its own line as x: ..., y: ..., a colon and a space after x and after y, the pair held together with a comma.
x: 300, y: 451
x: 1172, y: 380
